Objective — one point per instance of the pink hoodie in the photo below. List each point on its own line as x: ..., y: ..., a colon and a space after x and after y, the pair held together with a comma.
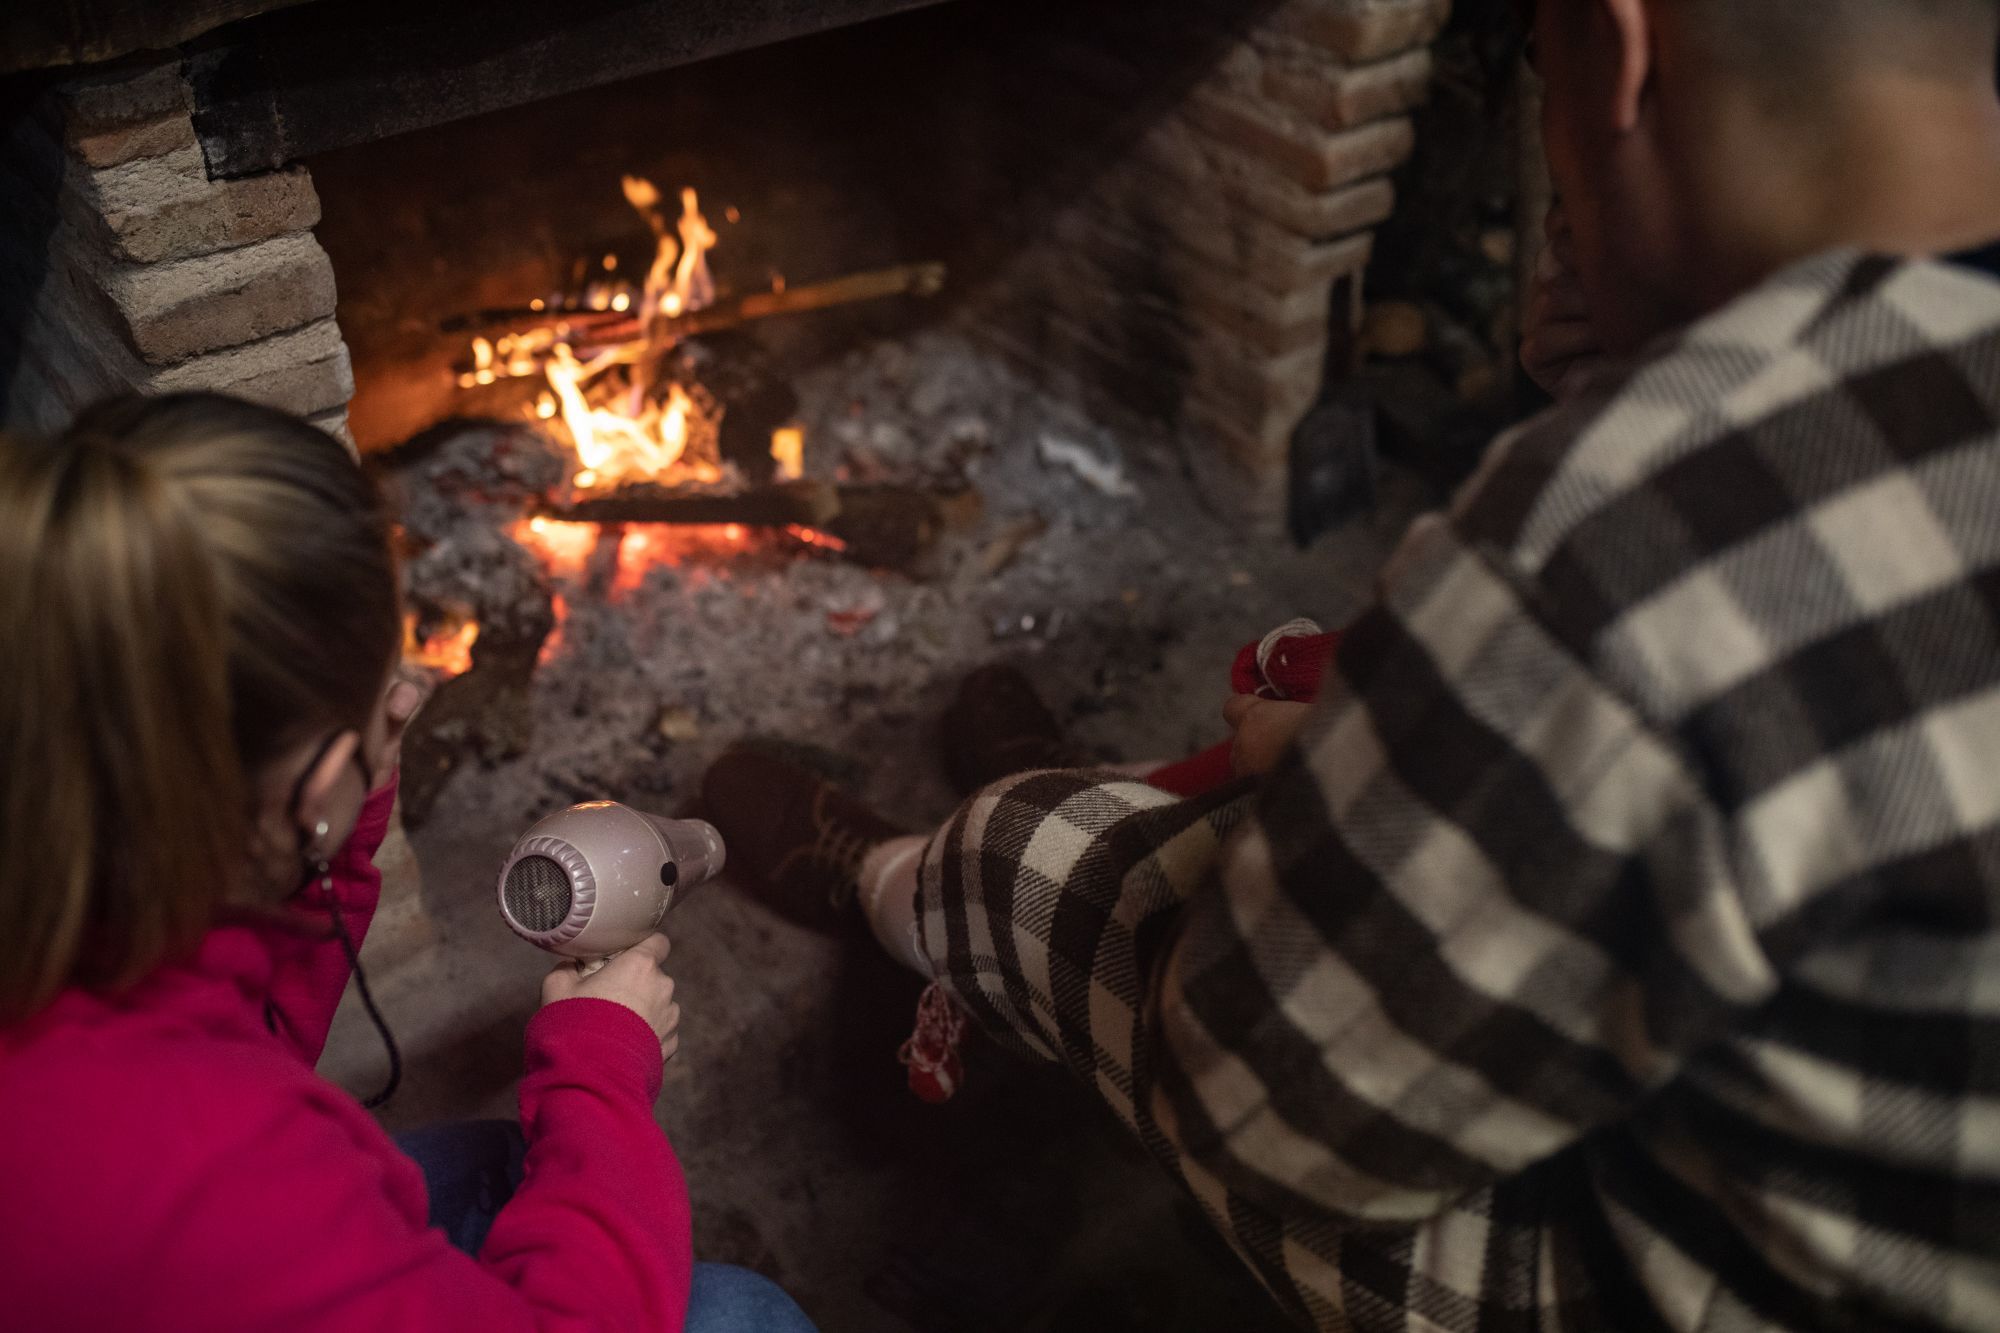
x: 166, y: 1162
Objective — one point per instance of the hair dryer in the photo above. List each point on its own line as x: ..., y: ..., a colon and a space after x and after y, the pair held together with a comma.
x: 595, y: 879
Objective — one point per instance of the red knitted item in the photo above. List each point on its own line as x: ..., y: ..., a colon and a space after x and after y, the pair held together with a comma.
x: 931, y: 1053
x: 1292, y: 667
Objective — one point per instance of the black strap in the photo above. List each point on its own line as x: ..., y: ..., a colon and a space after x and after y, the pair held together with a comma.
x: 368, y: 1003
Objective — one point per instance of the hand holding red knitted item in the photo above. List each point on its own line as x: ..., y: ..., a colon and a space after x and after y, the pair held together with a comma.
x: 1287, y: 665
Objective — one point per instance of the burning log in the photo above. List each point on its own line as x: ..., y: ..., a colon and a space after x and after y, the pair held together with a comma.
x: 809, y: 504
x: 562, y: 310
x: 885, y: 527
x: 903, y: 280
x: 606, y: 327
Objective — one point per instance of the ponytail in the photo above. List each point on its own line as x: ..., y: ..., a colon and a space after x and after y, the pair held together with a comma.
x: 187, y: 586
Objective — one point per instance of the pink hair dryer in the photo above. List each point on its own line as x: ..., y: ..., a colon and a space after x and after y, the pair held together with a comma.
x: 595, y: 879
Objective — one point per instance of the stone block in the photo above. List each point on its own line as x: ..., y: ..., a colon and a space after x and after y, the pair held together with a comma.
x: 123, y: 94
x: 1336, y: 97
x: 1101, y: 254
x: 1358, y: 31
x: 115, y: 144
x: 223, y: 216
x: 143, y: 182
x: 180, y: 308
x: 1213, y: 216
x: 305, y: 371
x: 1192, y: 158
x: 1310, y: 156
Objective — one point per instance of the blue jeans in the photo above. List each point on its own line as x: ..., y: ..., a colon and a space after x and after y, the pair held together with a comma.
x: 471, y: 1169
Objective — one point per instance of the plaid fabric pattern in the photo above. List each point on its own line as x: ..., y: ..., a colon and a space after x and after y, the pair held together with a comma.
x: 1620, y: 945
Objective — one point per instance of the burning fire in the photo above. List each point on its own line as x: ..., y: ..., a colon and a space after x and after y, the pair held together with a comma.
x: 631, y: 432
x: 788, y: 448
x: 563, y: 548
x: 626, y: 428
x: 448, y: 651
x: 553, y: 644
x: 626, y: 421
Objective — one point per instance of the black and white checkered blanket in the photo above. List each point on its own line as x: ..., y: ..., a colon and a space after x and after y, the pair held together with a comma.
x: 1620, y: 946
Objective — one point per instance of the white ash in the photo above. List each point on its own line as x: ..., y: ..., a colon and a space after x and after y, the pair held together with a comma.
x: 1125, y: 612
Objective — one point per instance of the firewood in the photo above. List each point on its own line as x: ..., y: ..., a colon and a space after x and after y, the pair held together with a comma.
x: 885, y: 527
x: 810, y: 504
x: 903, y: 280
x: 606, y: 327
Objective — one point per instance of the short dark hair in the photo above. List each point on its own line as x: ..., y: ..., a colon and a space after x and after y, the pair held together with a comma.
x: 1784, y: 37
x: 1781, y: 36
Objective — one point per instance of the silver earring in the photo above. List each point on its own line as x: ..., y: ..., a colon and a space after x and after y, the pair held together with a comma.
x: 325, y: 867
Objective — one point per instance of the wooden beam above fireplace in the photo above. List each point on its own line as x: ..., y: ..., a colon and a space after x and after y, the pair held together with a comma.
x: 290, y: 84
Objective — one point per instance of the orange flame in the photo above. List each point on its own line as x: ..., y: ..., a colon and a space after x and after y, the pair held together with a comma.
x: 553, y: 644
x: 564, y: 548
x: 633, y: 437
x: 824, y: 541
x: 447, y: 652
x: 788, y: 448
x: 621, y: 432
x: 636, y: 555
x: 612, y: 445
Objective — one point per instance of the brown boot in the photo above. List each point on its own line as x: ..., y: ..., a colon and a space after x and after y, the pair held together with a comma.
x: 800, y: 837
x: 996, y: 727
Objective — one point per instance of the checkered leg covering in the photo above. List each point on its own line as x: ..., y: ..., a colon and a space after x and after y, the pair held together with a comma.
x: 1619, y: 947
x: 1049, y: 902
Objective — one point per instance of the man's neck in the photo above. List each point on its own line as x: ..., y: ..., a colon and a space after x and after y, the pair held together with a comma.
x: 1895, y: 165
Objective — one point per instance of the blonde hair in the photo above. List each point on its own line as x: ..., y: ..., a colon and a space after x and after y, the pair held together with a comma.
x: 188, y: 586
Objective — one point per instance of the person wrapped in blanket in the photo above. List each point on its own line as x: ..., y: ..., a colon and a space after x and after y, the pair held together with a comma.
x: 1611, y: 945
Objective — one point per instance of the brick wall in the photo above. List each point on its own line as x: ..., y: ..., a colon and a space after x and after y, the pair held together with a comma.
x: 123, y: 267
x: 1203, y: 280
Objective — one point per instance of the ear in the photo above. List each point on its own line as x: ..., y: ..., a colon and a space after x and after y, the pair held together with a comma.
x: 316, y: 789
x: 1632, y: 32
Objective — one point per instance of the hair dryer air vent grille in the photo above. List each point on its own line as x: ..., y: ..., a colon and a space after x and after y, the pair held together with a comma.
x: 537, y: 894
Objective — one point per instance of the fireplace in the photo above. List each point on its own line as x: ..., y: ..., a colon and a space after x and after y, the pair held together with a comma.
x: 595, y: 290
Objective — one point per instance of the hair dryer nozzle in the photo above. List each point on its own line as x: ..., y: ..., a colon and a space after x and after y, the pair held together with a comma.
x: 694, y: 845
x: 596, y: 878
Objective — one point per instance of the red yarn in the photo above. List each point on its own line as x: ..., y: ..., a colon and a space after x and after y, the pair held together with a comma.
x: 931, y: 1053
x: 1293, y: 668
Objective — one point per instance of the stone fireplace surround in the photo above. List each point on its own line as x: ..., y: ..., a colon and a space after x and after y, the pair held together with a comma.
x: 1203, y: 270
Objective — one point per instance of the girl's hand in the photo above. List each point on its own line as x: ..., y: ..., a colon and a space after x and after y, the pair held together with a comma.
x: 408, y: 691
x: 633, y: 979
x: 1264, y: 728
x: 1559, y: 348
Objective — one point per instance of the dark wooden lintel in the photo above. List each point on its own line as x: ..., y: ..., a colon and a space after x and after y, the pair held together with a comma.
x: 302, y: 81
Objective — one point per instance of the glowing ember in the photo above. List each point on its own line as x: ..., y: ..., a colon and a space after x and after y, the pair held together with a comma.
x: 824, y: 541
x: 564, y: 548
x: 553, y: 644
x: 635, y: 557
x: 788, y: 448
x: 447, y: 652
